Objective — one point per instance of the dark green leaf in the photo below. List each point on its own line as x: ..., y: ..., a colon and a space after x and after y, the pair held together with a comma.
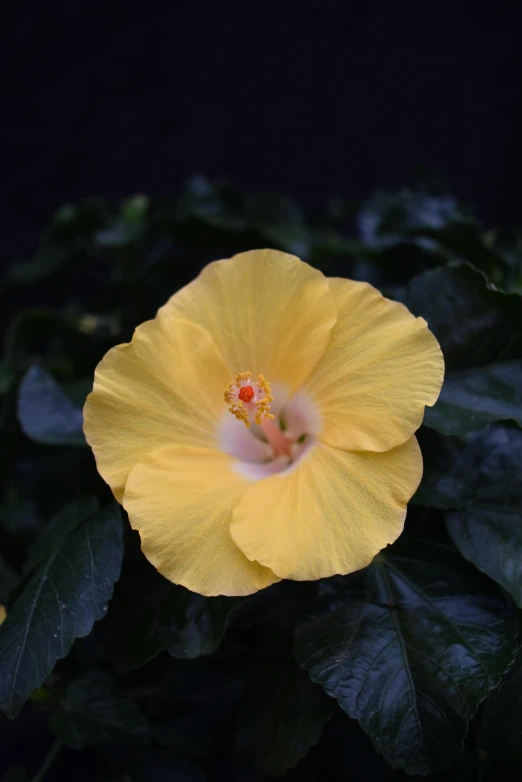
x: 445, y: 481
x: 480, y: 333
x: 57, y: 529
x: 491, y: 538
x: 46, y: 261
x: 436, y: 226
x: 281, y: 717
x: 201, y: 625
x: 119, y: 234
x: 507, y: 242
x: 46, y: 413
x: 409, y: 647
x: 482, y: 468
x: 128, y: 227
x: 95, y: 709
x: 388, y: 219
x: 479, y: 480
x: 464, y: 241
x: 150, y: 614
x: 501, y: 726
x: 61, y: 600
x: 279, y: 220
x: 15, y: 774
x: 134, y: 209
x: 52, y: 337
x: 74, y: 225
x: 209, y: 203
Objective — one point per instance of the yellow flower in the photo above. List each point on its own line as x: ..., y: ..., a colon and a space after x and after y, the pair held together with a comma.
x: 262, y: 425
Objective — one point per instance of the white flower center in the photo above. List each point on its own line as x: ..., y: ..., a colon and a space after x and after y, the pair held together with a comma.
x: 278, y: 441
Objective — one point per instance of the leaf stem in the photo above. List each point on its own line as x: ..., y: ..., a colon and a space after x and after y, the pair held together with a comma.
x: 48, y: 761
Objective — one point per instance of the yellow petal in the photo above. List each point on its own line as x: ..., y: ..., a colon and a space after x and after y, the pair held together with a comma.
x: 379, y: 371
x: 268, y: 312
x: 329, y: 515
x: 163, y: 388
x: 180, y: 499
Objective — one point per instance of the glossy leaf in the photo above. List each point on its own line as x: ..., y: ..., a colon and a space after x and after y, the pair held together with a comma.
x: 281, y: 717
x: 95, y: 709
x: 149, y: 614
x: 479, y: 481
x: 491, y: 538
x: 388, y: 219
x: 46, y: 414
x: 60, y: 601
x: 501, y: 725
x: 434, y: 226
x: 480, y: 332
x: 62, y: 523
x: 409, y: 647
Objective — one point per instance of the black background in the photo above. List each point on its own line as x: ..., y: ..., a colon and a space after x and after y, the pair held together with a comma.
x: 313, y: 98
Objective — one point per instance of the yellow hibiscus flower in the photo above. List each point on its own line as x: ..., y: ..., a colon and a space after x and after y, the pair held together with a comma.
x: 262, y: 426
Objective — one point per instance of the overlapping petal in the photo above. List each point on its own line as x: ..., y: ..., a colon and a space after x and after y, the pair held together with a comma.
x: 381, y: 368
x: 163, y: 388
x: 332, y: 513
x: 181, y: 500
x: 268, y: 312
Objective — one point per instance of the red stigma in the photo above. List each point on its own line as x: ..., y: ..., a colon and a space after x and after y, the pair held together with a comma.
x: 246, y: 393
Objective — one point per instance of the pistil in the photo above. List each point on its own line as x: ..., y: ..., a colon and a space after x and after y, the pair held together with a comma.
x: 281, y: 445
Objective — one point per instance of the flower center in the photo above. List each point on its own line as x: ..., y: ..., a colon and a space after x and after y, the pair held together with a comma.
x: 249, y: 400
x: 246, y: 393
x: 277, y: 440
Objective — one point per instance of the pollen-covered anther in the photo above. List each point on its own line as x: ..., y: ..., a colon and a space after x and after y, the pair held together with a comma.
x: 249, y: 400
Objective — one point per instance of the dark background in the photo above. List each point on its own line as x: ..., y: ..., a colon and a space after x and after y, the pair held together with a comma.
x: 312, y: 98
